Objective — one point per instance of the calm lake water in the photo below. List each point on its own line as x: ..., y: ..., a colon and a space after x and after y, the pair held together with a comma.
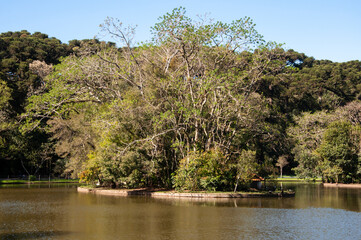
x: 59, y: 212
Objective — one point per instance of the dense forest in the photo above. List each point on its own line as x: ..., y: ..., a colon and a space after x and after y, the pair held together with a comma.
x: 201, y: 106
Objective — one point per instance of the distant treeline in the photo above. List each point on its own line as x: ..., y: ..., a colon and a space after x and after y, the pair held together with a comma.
x: 201, y: 106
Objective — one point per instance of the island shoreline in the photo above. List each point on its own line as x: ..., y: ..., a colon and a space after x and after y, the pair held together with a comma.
x: 174, y: 194
x: 342, y: 185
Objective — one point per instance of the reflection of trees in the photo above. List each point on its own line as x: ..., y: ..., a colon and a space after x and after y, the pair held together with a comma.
x: 65, y: 213
x: 32, y: 235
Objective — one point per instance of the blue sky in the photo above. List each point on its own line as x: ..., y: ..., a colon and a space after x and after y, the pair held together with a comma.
x: 324, y: 29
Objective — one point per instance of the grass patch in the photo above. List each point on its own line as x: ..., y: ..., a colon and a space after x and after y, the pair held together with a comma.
x: 296, y: 179
x: 88, y: 186
x: 18, y: 181
x: 13, y: 181
x: 228, y: 192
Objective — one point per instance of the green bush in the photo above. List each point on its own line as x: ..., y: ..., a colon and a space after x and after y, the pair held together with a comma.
x: 338, y: 152
x: 202, y: 171
x: 32, y: 178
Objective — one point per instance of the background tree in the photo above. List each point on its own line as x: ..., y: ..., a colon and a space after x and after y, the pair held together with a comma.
x: 246, y: 168
x: 312, y: 133
x: 17, y: 82
x: 307, y: 135
x: 282, y: 162
x: 338, y: 153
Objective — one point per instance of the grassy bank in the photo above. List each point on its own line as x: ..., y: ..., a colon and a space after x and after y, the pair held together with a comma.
x: 296, y: 179
x: 18, y: 181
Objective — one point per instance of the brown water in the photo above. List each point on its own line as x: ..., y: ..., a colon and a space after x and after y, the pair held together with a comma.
x: 59, y: 212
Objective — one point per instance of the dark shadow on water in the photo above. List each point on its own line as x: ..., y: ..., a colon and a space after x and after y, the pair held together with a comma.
x: 32, y: 235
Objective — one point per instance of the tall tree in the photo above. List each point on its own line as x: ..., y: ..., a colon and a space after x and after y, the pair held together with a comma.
x: 19, y: 152
x: 194, y: 88
x: 338, y: 153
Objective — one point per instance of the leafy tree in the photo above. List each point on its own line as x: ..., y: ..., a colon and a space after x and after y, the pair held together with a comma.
x: 17, y: 51
x: 194, y: 88
x: 307, y: 135
x: 338, y: 153
x: 330, y: 171
x: 335, y: 133
x: 19, y: 152
x: 151, y: 114
x: 323, y: 85
x: 246, y: 168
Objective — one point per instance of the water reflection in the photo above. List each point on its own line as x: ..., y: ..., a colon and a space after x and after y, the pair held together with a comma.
x: 40, y: 212
x: 32, y: 235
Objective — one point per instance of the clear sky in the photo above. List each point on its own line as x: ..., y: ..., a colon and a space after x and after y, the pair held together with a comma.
x: 324, y: 29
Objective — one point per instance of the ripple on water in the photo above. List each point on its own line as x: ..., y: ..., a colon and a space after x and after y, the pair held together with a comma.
x: 310, y: 223
x: 55, y: 214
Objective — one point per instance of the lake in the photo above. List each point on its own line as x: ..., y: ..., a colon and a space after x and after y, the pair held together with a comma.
x: 59, y: 212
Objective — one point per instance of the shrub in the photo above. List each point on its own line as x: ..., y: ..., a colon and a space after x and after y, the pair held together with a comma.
x: 32, y: 178
x: 202, y: 171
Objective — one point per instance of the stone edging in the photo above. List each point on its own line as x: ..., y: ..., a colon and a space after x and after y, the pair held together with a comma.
x: 170, y: 194
x: 342, y: 185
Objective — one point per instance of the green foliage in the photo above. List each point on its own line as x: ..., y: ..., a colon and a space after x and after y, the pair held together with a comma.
x: 322, y: 84
x: 89, y: 176
x: 330, y: 171
x: 22, y: 152
x: 5, y: 95
x: 126, y: 171
x: 17, y: 51
x: 140, y: 110
x: 338, y: 153
x: 202, y: 171
x: 203, y: 106
x: 246, y: 168
x: 32, y: 178
x: 307, y: 135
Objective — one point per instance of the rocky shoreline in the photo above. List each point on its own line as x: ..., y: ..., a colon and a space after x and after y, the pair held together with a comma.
x: 174, y: 194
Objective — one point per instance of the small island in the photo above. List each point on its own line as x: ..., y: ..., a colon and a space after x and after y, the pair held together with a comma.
x: 177, y: 194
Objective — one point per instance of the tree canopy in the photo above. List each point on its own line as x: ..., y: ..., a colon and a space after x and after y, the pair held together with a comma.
x: 202, y: 105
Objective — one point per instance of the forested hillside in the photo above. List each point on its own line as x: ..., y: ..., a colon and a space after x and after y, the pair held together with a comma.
x: 200, y: 106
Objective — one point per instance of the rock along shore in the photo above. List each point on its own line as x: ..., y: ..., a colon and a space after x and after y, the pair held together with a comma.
x: 173, y: 194
x: 342, y: 185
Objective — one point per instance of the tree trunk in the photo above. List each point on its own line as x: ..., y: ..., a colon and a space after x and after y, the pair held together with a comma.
x: 235, y: 187
x: 281, y: 171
